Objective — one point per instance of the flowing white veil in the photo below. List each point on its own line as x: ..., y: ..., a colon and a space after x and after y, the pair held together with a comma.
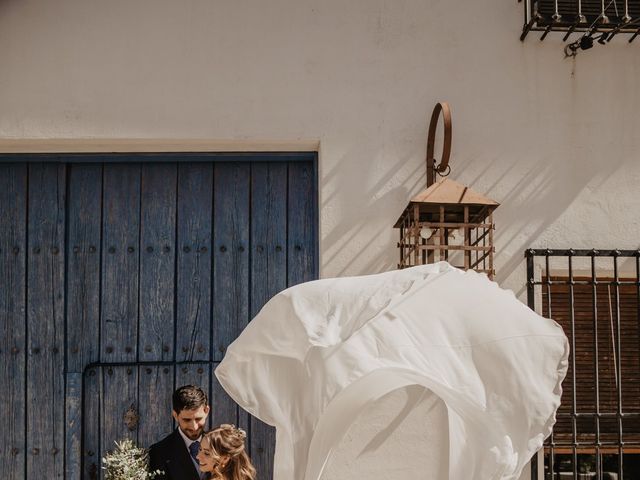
x: 320, y: 353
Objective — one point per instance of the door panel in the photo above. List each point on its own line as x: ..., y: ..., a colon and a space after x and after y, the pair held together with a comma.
x: 155, y: 385
x: 157, y: 261
x: 13, y: 222
x: 193, y: 249
x: 124, y: 277
x: 120, y: 263
x: 269, y: 266
x: 45, y: 320
x: 302, y: 206
x: 83, y: 254
x: 231, y: 253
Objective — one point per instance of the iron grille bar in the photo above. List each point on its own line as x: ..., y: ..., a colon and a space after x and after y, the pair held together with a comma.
x: 548, y: 284
x: 539, y: 252
x: 586, y: 282
x: 595, y: 365
x: 599, y: 415
x: 531, y: 281
x: 618, y: 360
x: 574, y: 402
x: 601, y: 434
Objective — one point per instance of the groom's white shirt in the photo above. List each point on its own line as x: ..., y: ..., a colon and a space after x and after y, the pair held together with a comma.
x: 188, y: 442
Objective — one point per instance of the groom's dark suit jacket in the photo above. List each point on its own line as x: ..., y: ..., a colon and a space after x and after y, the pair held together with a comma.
x: 171, y: 455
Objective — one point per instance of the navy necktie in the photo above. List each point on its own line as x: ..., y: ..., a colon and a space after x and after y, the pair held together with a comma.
x: 194, y: 448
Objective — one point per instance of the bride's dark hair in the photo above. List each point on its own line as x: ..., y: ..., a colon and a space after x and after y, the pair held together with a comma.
x: 227, y: 440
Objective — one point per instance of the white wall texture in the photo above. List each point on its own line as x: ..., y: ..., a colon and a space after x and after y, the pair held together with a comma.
x: 554, y: 140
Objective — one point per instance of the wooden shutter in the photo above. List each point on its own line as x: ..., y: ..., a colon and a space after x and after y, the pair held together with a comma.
x: 602, y: 323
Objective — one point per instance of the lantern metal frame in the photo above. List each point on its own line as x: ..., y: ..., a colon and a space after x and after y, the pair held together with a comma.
x: 429, y: 223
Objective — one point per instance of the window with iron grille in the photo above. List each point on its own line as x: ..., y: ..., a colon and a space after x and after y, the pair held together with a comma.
x: 568, y: 16
x: 594, y: 296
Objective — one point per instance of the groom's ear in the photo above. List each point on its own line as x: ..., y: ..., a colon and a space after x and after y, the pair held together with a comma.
x: 207, y: 409
x: 174, y: 415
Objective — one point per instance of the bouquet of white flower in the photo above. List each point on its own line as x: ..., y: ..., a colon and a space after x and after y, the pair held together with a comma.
x: 128, y: 462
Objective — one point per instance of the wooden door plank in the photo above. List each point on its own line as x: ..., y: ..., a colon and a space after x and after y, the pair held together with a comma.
x: 73, y: 426
x: 268, y: 275
x: 193, y: 334
x: 223, y: 408
x: 13, y: 215
x: 119, y: 300
x: 91, y: 421
x: 154, y: 399
x: 231, y: 253
x: 45, y: 320
x: 120, y: 261
x: 83, y: 266
x: 268, y: 232
x: 157, y: 243
x: 302, y: 207
x: 84, y: 207
x: 119, y: 396
x: 248, y: 201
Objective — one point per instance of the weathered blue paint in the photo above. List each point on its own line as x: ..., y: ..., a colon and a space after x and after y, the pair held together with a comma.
x: 231, y: 253
x: 13, y: 221
x: 45, y: 320
x: 224, y: 409
x: 118, y: 395
x: 302, y: 224
x: 120, y: 263
x: 73, y: 425
x: 84, y: 215
x: 193, y: 280
x: 84, y: 205
x: 155, y: 385
x: 91, y: 419
x: 157, y: 261
x: 139, y: 261
x: 268, y: 273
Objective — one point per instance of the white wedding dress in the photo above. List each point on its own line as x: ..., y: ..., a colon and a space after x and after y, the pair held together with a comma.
x: 320, y: 353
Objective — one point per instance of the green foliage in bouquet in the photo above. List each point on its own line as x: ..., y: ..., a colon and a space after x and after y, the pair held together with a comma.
x: 128, y: 462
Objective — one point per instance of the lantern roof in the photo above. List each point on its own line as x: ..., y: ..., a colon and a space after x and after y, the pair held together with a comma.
x: 448, y: 192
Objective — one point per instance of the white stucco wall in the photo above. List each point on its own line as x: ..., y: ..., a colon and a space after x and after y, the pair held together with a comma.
x: 554, y: 140
x: 370, y: 449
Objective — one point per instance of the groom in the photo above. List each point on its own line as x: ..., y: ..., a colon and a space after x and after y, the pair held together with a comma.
x: 176, y: 453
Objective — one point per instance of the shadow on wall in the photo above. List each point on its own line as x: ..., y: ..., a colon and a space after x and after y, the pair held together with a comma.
x: 349, y: 243
x: 534, y: 193
x: 404, y: 432
x: 533, y: 197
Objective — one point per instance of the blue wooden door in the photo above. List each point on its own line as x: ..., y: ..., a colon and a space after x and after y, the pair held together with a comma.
x: 125, y: 276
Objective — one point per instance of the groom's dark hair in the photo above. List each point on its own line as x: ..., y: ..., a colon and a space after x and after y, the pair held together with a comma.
x: 189, y: 397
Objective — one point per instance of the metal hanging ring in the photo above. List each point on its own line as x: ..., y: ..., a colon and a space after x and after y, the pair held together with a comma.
x: 446, y: 147
x: 446, y: 173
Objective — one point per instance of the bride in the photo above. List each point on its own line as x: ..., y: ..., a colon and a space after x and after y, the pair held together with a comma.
x: 222, y: 454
